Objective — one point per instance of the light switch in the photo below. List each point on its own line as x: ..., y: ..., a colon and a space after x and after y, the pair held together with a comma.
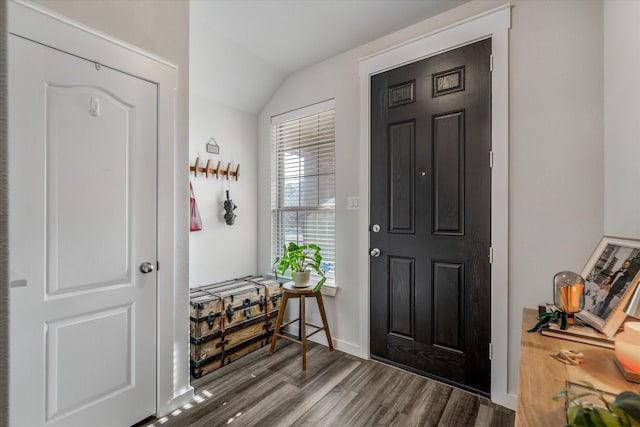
x: 353, y: 203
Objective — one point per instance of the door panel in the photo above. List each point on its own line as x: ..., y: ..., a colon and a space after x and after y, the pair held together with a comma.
x: 98, y: 151
x: 82, y: 218
x: 430, y: 193
x: 401, y: 285
x: 73, y: 379
x: 448, y: 290
x: 448, y: 173
x: 402, y: 160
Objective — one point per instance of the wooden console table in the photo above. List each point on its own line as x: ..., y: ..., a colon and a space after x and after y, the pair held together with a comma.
x: 541, y: 376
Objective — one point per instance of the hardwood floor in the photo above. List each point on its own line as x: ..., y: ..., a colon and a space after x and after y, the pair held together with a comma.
x: 336, y: 390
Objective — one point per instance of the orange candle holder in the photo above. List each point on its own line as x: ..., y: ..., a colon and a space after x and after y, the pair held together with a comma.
x: 568, y: 293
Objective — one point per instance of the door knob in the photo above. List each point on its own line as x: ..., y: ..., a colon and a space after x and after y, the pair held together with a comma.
x: 146, y: 267
x: 375, y: 252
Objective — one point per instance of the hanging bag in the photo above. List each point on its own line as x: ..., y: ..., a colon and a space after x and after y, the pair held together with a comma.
x: 195, y: 222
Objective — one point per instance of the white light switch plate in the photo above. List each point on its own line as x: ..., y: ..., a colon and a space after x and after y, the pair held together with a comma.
x: 353, y: 203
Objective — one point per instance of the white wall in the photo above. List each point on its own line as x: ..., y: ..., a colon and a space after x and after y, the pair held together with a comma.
x: 220, y: 252
x: 226, y: 84
x: 336, y: 78
x: 224, y: 71
x: 621, y: 118
x: 556, y: 157
x: 556, y: 163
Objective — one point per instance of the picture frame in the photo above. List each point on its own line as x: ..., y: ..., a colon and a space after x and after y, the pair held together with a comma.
x: 611, y: 276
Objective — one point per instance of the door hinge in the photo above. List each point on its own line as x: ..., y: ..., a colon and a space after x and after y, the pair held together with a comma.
x: 491, y: 63
x: 490, y: 351
x: 491, y: 255
x: 491, y: 158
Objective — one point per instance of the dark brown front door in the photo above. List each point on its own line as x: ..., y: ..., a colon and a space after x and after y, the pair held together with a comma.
x: 431, y: 205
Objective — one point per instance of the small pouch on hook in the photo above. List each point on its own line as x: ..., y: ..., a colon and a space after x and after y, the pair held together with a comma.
x: 195, y: 222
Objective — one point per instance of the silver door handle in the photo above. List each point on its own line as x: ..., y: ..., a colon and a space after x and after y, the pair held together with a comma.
x: 375, y: 252
x: 146, y: 267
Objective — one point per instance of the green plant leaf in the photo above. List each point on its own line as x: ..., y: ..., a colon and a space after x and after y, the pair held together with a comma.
x: 580, y: 416
x: 300, y: 258
x: 274, y: 266
x: 624, y: 418
x: 624, y: 411
x: 319, y: 285
x: 629, y: 403
x: 284, y: 265
x: 572, y: 414
x: 545, y: 319
x: 604, y: 418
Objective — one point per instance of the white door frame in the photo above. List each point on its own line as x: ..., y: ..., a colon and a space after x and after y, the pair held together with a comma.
x: 43, y: 26
x: 494, y: 23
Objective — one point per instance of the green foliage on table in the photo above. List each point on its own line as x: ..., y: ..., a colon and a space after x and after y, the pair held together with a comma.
x: 622, y: 411
x: 300, y: 258
x: 544, y: 319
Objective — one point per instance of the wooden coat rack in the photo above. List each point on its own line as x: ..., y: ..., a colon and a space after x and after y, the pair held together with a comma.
x: 217, y: 171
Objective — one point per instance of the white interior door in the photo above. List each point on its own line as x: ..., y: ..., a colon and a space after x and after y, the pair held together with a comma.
x: 82, y: 200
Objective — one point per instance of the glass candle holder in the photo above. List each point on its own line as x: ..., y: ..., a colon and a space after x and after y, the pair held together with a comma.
x: 568, y: 293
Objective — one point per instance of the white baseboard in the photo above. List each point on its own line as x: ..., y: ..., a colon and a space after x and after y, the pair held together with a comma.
x: 178, y: 401
x: 509, y: 400
x: 512, y: 402
x: 346, y: 347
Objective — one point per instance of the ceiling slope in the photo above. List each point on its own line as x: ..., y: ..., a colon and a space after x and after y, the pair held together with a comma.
x: 242, y: 50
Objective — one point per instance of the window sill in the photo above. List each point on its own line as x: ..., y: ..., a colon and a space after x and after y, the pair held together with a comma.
x: 329, y: 290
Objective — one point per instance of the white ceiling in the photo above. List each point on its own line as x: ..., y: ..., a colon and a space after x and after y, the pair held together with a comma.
x: 259, y: 42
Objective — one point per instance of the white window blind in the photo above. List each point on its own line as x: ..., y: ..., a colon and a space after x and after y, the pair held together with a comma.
x: 303, y: 184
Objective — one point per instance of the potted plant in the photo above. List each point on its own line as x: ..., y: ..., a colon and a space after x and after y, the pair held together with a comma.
x: 300, y: 259
x: 590, y: 407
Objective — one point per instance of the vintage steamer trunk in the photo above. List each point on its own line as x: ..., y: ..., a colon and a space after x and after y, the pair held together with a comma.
x: 231, y: 319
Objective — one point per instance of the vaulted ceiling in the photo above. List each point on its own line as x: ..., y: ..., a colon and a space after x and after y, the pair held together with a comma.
x: 242, y: 50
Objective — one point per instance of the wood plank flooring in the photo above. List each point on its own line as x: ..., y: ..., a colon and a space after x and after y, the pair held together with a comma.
x: 337, y: 389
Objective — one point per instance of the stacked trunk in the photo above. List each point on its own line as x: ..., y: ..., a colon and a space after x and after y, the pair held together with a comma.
x: 231, y: 319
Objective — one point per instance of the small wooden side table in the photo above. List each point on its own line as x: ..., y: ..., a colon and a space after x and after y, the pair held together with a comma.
x: 289, y: 291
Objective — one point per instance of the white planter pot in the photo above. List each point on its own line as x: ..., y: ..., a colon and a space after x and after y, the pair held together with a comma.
x: 301, y: 279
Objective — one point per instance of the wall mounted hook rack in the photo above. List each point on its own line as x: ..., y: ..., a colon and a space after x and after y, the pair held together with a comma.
x: 208, y: 171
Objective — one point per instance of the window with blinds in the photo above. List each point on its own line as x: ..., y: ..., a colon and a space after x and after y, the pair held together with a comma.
x: 303, y: 182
